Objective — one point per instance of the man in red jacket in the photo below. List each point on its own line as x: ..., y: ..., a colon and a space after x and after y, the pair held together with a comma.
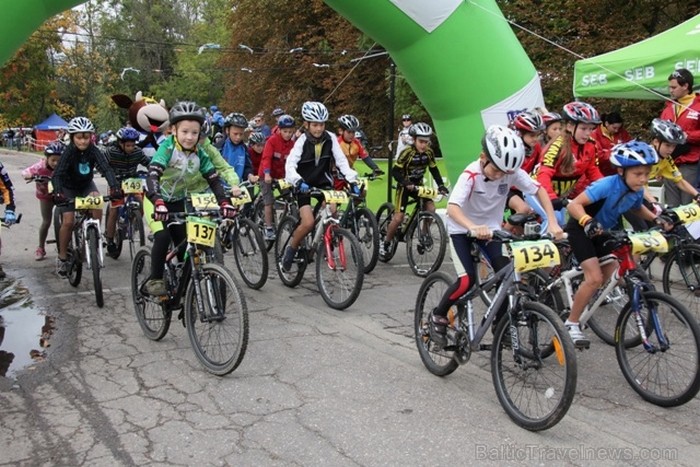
x: 684, y: 110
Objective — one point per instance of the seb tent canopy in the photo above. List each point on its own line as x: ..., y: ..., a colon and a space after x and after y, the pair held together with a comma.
x: 647, y: 63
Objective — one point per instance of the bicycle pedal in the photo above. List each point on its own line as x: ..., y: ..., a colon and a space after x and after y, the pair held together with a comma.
x: 582, y: 347
x: 485, y: 346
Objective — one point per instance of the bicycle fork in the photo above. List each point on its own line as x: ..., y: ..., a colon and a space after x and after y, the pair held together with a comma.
x: 215, y: 297
x: 93, y: 224
x: 639, y: 321
x: 328, y: 242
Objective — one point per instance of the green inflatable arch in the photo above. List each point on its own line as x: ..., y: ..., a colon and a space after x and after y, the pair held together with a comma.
x: 460, y: 57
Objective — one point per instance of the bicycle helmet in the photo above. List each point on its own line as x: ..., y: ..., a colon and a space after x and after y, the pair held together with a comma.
x: 580, y: 112
x: 277, y: 112
x: 186, y: 110
x: 205, y: 130
x: 504, y: 148
x: 80, y: 125
x: 406, y: 117
x: 667, y: 131
x: 256, y: 137
x: 236, y: 119
x: 530, y: 122
x: 128, y: 134
x: 420, y: 129
x: 551, y: 117
x: 633, y: 153
x: 314, y: 112
x: 349, y: 123
x: 54, y: 148
x: 286, y: 121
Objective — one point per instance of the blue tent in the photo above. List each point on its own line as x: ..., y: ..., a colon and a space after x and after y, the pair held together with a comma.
x: 54, y: 122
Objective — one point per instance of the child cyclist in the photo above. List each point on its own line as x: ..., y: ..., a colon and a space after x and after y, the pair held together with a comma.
x: 599, y: 208
x: 73, y: 177
x: 310, y: 164
x: 352, y: 147
x: 124, y: 158
x: 552, y: 126
x: 256, y: 144
x: 277, y: 148
x: 178, y: 160
x: 529, y: 126
x: 408, y: 171
x: 233, y: 147
x: 44, y: 168
x: 475, y: 210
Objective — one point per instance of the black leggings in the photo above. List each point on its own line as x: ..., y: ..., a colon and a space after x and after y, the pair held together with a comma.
x: 174, y: 233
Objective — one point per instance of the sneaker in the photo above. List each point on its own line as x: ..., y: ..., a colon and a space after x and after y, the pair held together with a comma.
x: 438, y: 329
x: 155, y: 287
x: 270, y: 234
x: 287, y: 259
x: 62, y: 267
x: 383, y: 248
x: 111, y: 248
x: 579, y: 338
x: 39, y: 254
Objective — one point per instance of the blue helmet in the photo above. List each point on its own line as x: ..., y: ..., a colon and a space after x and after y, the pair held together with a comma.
x: 128, y: 134
x: 286, y: 121
x: 632, y: 154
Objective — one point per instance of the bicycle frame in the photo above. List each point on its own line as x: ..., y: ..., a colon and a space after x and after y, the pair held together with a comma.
x: 83, y: 222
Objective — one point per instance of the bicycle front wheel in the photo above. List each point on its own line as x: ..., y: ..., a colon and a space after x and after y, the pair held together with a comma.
x: 75, y: 259
x: 365, y: 228
x: 250, y: 253
x: 535, y: 390
x: 664, y: 370
x: 93, y: 237
x: 219, y: 331
x: 259, y: 219
x: 339, y: 269
x: 285, y: 229
x: 137, y: 236
x: 681, y: 276
x: 384, y: 215
x: 426, y: 243
x: 439, y: 361
x: 153, y: 317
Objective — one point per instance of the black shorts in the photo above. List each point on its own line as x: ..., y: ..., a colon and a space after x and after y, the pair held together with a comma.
x: 585, y: 247
x: 71, y: 193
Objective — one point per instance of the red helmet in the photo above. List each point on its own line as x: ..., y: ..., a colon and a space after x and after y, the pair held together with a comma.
x: 551, y: 117
x: 530, y: 122
x: 580, y: 112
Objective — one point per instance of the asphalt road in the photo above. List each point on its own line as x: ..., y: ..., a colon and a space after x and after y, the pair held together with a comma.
x: 316, y: 386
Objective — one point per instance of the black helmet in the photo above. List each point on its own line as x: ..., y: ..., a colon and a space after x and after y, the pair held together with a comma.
x: 349, y: 123
x: 186, y: 110
x: 236, y: 119
x: 256, y: 137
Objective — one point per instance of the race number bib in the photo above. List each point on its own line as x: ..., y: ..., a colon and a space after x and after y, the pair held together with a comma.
x: 284, y: 184
x: 132, y: 185
x: 427, y: 192
x: 204, y: 201
x: 335, y: 197
x: 201, y: 231
x: 688, y: 212
x: 243, y: 199
x: 534, y: 255
x: 652, y: 240
x: 89, y: 202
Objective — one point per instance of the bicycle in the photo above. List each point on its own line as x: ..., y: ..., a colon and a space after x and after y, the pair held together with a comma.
x: 214, y: 310
x: 85, y: 243
x: 423, y: 231
x: 337, y: 253
x: 284, y: 202
x: 533, y: 363
x: 360, y: 220
x: 655, y: 336
x: 130, y: 218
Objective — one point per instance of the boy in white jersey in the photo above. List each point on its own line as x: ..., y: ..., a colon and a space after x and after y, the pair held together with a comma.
x: 475, y: 210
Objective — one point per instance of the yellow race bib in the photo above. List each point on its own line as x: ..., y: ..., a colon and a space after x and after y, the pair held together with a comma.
x: 244, y: 199
x: 425, y: 192
x: 132, y: 185
x: 335, y: 197
x: 653, y: 240
x: 284, y: 184
x: 688, y: 212
x: 88, y: 202
x: 204, y: 201
x: 529, y: 255
x: 201, y: 231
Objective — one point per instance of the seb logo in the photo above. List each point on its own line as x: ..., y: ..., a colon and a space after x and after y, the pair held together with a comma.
x: 633, y: 74
x: 636, y: 74
x: 594, y: 79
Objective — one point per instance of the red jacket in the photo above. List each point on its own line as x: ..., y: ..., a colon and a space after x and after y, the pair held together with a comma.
x: 689, y: 120
x: 531, y: 160
x: 549, y: 173
x: 275, y: 155
x: 255, y: 158
x: 604, y: 143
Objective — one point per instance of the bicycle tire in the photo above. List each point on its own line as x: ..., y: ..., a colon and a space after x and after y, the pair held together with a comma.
x: 57, y: 221
x: 679, y: 364
x: 681, y: 276
x: 153, y: 316
x: 384, y: 215
x: 438, y: 361
x: 136, y: 232
x: 535, y: 391
x: 259, y: 219
x: 219, y: 338
x: 250, y: 253
x: 119, y: 234
x: 348, y: 270
x: 75, y: 260
x: 602, y: 322
x: 284, y: 235
x: 364, y: 227
x: 426, y: 242
x: 93, y: 239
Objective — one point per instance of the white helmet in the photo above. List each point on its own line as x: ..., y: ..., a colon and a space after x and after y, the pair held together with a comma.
x: 504, y: 148
x: 420, y: 129
x: 314, y: 112
x: 80, y: 125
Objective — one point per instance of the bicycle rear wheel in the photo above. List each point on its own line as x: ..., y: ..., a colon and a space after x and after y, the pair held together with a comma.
x: 137, y: 236
x: 666, y: 371
x: 681, y: 276
x: 93, y: 237
x: 219, y: 332
x: 153, y: 317
x: 384, y: 215
x: 250, y: 253
x: 259, y: 219
x: 284, y: 236
x: 365, y: 229
x: 536, y: 391
x: 426, y: 242
x: 339, y: 269
x: 75, y: 259
x: 439, y: 361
